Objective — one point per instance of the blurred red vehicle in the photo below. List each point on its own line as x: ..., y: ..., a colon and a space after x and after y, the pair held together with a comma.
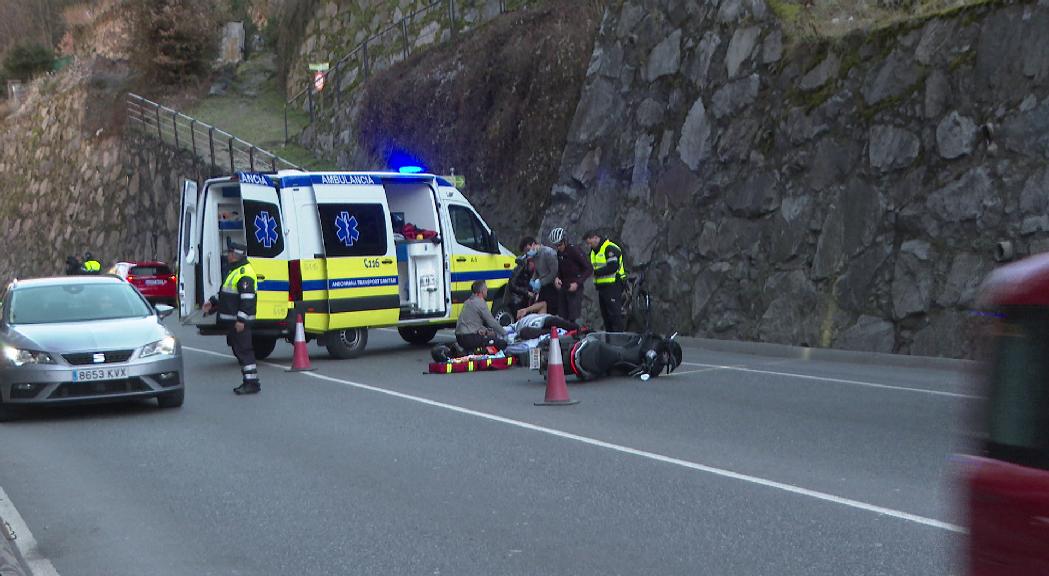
x: 1007, y: 480
x: 153, y: 279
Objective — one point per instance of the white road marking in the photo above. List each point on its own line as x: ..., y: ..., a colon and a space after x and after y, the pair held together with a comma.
x: 632, y: 451
x: 24, y: 540
x: 835, y: 380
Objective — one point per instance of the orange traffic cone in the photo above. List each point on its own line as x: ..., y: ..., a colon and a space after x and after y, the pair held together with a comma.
x: 556, y: 387
x: 300, y: 358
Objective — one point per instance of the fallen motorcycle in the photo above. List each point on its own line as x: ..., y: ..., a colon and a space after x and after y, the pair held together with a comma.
x: 600, y: 354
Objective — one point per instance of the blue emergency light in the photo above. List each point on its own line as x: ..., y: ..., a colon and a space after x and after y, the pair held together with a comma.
x: 410, y: 169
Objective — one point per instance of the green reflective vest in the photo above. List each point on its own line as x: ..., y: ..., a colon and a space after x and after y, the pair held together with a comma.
x: 598, y: 260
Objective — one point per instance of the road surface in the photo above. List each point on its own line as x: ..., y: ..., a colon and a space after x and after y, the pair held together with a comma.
x: 736, y: 465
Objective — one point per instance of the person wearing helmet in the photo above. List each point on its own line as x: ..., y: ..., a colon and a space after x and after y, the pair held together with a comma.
x: 573, y: 268
x: 545, y: 259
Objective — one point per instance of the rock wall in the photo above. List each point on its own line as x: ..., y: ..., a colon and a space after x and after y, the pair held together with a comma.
x: 71, y: 180
x: 338, y: 26
x: 493, y: 106
x: 847, y: 194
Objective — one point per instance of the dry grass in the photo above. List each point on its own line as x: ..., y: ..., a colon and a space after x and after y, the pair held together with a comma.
x: 808, y: 20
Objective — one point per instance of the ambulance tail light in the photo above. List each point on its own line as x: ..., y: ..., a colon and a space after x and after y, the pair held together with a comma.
x: 294, y: 281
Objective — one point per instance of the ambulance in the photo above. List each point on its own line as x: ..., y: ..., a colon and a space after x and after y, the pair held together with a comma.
x: 349, y: 251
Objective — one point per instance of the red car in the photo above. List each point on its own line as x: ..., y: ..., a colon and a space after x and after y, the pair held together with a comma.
x: 153, y: 279
x: 1007, y: 480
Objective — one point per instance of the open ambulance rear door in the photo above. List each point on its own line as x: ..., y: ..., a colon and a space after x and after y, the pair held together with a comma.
x: 188, y: 252
x: 264, y: 233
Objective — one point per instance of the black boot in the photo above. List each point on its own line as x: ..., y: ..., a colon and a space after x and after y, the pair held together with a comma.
x: 247, y: 388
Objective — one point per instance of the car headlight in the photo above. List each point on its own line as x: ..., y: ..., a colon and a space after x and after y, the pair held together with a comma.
x: 164, y: 346
x: 18, y: 357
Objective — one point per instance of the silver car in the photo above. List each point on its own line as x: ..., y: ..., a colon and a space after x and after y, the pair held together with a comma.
x: 84, y: 339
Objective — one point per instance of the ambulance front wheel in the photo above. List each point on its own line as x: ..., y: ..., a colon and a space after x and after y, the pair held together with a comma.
x: 417, y: 335
x: 348, y: 343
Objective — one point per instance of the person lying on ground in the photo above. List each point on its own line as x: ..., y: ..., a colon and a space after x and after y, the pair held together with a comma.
x: 536, y: 324
x: 476, y: 327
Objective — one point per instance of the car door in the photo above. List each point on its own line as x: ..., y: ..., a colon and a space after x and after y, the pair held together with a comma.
x: 359, y: 252
x: 475, y: 255
x: 188, y: 252
x: 267, y: 253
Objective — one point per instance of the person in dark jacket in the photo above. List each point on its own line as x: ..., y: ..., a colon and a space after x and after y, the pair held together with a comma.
x: 545, y: 274
x: 573, y: 269
x: 519, y: 287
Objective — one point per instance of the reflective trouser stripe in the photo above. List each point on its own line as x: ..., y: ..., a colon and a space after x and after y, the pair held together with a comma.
x: 247, y: 296
x: 227, y: 317
x: 250, y: 368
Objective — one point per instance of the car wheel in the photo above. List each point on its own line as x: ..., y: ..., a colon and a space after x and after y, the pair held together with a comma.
x: 263, y: 346
x: 417, y: 335
x: 348, y: 343
x: 173, y: 399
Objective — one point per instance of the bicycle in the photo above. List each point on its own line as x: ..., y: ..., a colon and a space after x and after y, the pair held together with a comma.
x: 637, y: 303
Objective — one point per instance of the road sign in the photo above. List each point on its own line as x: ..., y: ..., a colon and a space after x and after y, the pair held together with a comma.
x: 318, y: 81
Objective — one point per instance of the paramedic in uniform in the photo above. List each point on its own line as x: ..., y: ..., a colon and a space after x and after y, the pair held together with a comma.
x: 236, y: 310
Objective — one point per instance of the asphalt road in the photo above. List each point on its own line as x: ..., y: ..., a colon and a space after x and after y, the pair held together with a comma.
x: 736, y: 465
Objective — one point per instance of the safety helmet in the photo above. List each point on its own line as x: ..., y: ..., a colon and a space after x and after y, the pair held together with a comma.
x: 87, y: 255
x: 557, y: 235
x: 441, y: 353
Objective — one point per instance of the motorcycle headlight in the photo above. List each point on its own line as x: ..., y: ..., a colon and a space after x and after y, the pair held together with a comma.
x: 165, y: 346
x: 18, y: 357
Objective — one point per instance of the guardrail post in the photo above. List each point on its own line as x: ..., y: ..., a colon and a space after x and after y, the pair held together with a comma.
x: 451, y: 18
x: 159, y: 133
x: 211, y: 144
x: 273, y: 163
x: 174, y: 126
x: 232, y: 165
x: 309, y: 97
x: 364, y: 58
x: 251, y: 157
x: 285, y: 123
x: 404, y: 34
x: 193, y: 136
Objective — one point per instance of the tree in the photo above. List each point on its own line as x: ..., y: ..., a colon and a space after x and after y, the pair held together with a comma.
x: 25, y: 61
x: 175, y: 39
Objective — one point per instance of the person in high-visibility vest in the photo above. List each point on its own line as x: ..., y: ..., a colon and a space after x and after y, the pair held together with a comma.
x: 90, y: 265
x: 609, y: 279
x: 236, y: 309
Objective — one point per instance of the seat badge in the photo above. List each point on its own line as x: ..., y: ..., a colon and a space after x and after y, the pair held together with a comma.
x: 98, y: 358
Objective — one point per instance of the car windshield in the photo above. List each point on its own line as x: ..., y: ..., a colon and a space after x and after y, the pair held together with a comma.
x: 74, y: 303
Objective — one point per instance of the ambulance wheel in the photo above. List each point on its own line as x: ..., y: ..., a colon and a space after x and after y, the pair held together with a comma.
x: 348, y: 343
x: 417, y: 335
x: 263, y: 346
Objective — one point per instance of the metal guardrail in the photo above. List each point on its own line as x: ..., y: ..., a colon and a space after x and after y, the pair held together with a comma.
x: 360, y: 56
x: 218, y: 147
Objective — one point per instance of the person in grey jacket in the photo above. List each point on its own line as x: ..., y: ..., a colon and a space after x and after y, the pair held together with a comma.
x: 476, y: 327
x: 546, y: 266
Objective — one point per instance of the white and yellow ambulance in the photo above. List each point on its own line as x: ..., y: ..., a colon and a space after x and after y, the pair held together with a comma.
x: 347, y: 250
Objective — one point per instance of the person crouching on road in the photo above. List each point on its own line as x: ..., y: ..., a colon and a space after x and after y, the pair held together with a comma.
x: 236, y: 309
x: 545, y: 275
x: 476, y: 327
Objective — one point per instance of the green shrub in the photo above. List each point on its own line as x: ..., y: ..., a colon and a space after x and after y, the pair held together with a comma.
x: 27, y: 60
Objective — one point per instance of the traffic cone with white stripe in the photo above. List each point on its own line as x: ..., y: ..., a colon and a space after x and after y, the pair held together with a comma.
x: 556, y: 387
x: 300, y: 358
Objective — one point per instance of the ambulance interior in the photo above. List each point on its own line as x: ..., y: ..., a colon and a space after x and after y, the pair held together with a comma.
x: 420, y: 254
x: 223, y: 206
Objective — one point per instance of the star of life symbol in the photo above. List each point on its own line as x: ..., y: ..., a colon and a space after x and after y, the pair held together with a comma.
x: 265, y: 229
x: 346, y: 226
